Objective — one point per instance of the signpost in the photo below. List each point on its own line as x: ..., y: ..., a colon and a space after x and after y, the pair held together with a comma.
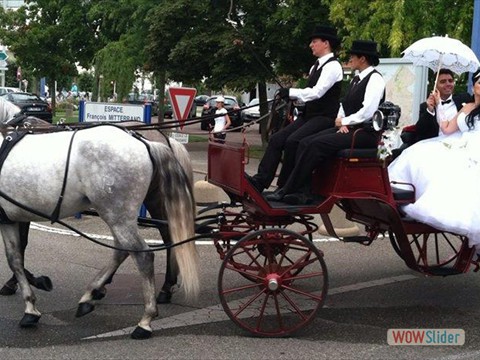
x: 182, y: 100
x: 3, y: 66
x: 113, y: 112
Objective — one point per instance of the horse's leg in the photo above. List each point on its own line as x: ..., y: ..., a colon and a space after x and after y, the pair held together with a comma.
x: 13, y: 249
x: 157, y: 212
x: 127, y: 237
x: 171, y: 274
x: 96, y: 289
x: 41, y: 282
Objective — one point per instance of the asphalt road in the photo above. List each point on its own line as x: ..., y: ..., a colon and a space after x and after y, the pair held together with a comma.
x: 371, y: 291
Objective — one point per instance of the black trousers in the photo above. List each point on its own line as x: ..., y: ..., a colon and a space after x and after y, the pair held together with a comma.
x: 286, y: 141
x: 315, y: 149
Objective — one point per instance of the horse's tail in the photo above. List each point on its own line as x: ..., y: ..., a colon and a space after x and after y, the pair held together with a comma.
x: 181, y: 154
x: 171, y: 182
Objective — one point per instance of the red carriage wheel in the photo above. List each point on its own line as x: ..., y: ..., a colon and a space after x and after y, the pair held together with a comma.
x: 434, y: 251
x: 272, y: 282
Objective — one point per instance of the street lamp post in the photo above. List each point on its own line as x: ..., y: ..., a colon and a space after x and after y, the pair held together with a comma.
x: 100, y: 84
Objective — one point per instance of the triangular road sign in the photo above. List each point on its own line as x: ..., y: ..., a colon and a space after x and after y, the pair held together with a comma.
x: 182, y: 101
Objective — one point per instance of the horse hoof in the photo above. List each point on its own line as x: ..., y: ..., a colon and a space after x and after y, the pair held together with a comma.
x: 140, y: 334
x: 8, y: 290
x: 164, y: 297
x: 84, y: 309
x: 29, y: 320
x: 43, y: 283
x: 99, y: 294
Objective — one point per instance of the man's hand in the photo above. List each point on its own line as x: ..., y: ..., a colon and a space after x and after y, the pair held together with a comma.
x: 284, y: 93
x: 343, y: 129
x: 433, y: 100
x: 338, y: 122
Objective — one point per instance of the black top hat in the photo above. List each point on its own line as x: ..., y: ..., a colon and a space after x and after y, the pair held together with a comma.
x: 367, y: 48
x: 326, y: 32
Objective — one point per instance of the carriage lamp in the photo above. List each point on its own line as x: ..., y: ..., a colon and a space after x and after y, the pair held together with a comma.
x: 386, y: 117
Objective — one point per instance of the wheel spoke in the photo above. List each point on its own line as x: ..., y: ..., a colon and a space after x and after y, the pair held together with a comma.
x: 305, y: 294
x: 298, y: 311
x: 435, y: 250
x: 273, y: 282
x: 238, y: 269
x: 239, y: 289
x: 249, y: 302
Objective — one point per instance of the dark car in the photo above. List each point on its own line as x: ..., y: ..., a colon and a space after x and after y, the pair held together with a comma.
x: 231, y: 104
x: 143, y: 99
x: 30, y: 105
x: 200, y: 100
x: 167, y: 109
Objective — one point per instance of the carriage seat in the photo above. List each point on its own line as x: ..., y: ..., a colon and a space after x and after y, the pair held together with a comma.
x: 358, y: 153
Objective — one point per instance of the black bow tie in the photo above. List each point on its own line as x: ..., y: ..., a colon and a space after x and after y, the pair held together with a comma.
x: 446, y: 101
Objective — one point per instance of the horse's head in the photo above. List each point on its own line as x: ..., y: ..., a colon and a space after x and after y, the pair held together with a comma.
x: 7, y: 111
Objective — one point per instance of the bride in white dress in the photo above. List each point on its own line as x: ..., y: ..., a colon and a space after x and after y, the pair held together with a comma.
x: 446, y: 174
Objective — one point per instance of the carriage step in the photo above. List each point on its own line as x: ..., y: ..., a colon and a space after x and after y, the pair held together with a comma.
x: 357, y: 239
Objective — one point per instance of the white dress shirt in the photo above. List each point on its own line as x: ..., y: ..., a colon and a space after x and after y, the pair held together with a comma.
x: 446, y: 111
x: 331, y: 73
x: 373, y: 95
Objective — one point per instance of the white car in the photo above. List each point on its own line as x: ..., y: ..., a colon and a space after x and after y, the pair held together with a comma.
x: 4, y: 90
x: 252, y: 112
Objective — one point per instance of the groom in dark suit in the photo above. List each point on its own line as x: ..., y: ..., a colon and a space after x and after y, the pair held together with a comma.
x: 445, y: 108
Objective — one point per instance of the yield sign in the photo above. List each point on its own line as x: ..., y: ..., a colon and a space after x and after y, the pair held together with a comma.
x: 182, y: 100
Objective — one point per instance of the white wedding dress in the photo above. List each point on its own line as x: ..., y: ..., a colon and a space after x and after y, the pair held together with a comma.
x: 446, y: 174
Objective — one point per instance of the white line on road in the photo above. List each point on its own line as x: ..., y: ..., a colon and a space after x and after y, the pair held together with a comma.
x: 54, y: 230
x: 216, y: 313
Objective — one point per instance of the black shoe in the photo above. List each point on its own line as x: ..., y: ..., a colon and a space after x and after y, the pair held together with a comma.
x: 255, y: 183
x: 297, y: 199
x: 277, y: 195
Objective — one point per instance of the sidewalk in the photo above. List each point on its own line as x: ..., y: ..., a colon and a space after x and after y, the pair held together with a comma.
x: 251, y: 134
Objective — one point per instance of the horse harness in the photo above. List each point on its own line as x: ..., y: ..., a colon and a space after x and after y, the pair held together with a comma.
x: 14, y: 137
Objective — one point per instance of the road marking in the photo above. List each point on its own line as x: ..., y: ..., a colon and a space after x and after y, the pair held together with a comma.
x: 216, y: 313
x: 54, y: 230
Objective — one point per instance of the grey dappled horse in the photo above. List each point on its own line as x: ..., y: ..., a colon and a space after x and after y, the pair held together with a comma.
x: 115, y: 173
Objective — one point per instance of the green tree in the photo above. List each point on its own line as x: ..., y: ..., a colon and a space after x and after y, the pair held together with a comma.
x: 238, y: 44
x: 122, y: 55
x: 396, y: 24
x: 49, y: 37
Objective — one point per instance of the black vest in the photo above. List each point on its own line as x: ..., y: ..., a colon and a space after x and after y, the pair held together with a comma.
x: 329, y: 103
x: 353, y: 100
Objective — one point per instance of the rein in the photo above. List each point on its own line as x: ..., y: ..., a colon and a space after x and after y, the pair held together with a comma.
x: 166, y: 125
x: 56, y: 211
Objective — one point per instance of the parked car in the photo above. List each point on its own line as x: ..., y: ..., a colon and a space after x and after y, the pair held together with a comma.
x: 167, y: 109
x: 252, y: 112
x: 5, y: 89
x: 30, y: 104
x: 200, y: 100
x: 231, y: 104
x: 142, y: 99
